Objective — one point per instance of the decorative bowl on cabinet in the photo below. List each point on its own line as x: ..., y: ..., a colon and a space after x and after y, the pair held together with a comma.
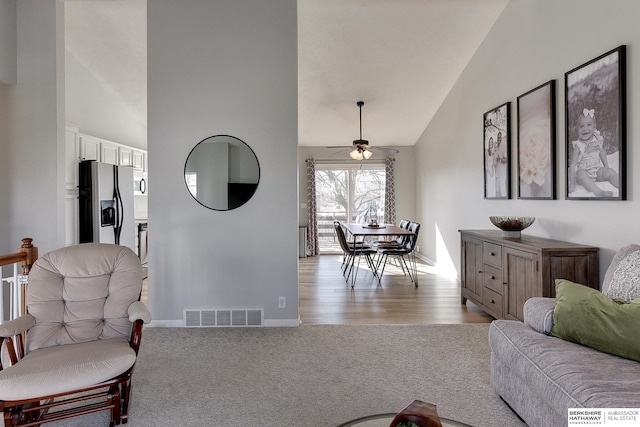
x: 512, y: 226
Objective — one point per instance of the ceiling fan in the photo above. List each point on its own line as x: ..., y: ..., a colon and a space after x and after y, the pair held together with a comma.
x: 361, y: 148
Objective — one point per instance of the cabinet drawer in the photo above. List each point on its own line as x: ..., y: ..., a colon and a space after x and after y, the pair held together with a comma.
x: 492, y: 301
x: 493, y: 278
x: 492, y: 254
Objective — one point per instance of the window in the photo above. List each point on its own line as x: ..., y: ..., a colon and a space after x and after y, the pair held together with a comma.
x: 347, y: 193
x: 192, y: 182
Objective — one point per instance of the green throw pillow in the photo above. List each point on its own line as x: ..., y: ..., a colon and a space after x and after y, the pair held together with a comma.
x: 586, y: 316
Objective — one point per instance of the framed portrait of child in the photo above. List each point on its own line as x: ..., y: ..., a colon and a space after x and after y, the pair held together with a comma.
x: 595, y: 114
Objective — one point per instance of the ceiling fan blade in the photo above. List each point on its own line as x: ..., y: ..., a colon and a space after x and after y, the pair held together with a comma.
x: 392, y: 150
x: 344, y: 148
x: 340, y: 151
x: 361, y: 145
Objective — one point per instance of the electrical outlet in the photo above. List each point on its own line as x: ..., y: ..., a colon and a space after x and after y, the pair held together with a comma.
x: 282, y: 302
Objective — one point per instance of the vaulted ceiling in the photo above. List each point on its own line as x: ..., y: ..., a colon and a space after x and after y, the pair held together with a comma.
x: 401, y: 57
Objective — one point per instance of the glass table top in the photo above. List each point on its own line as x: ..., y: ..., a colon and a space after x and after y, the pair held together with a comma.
x: 383, y: 420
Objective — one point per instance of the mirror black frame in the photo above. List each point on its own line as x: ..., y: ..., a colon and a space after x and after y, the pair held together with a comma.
x: 238, y: 193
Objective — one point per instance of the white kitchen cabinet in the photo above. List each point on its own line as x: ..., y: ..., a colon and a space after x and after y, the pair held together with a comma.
x: 126, y: 156
x: 109, y: 152
x: 138, y: 160
x: 89, y: 147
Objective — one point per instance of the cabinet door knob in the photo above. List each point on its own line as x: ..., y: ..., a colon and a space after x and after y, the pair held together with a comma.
x: 479, y: 271
x: 492, y: 301
x: 493, y: 254
x: 492, y: 277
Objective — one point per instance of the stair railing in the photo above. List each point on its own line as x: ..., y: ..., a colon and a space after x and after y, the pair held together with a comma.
x: 24, y: 257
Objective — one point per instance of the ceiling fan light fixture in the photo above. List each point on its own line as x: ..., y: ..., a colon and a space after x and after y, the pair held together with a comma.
x: 361, y: 150
x: 360, y: 146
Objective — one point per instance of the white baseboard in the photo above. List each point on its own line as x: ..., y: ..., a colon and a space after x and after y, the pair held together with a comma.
x: 166, y: 324
x: 425, y: 259
x: 282, y: 323
x: 272, y: 323
x: 433, y: 264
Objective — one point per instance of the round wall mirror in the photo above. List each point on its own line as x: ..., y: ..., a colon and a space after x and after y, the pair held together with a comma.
x: 222, y: 172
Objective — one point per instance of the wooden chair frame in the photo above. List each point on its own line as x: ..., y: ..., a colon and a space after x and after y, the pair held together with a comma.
x: 113, y: 395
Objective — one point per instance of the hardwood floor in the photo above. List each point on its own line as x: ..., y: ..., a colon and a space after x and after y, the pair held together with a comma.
x: 325, y: 297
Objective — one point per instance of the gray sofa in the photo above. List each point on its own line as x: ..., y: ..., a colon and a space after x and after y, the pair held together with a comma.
x: 540, y: 377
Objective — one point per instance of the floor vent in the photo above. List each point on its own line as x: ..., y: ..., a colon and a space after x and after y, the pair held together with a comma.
x: 223, y: 317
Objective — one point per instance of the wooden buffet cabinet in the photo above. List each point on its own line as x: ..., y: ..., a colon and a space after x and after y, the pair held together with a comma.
x: 499, y: 274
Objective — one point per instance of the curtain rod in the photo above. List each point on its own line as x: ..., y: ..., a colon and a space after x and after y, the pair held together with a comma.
x: 353, y: 162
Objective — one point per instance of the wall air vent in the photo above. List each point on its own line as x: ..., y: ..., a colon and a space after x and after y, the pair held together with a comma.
x: 223, y: 317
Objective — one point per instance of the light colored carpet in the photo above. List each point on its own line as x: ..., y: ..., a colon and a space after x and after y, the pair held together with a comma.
x: 314, y: 375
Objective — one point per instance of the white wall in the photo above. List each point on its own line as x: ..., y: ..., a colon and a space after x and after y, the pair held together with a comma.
x: 97, y: 110
x: 6, y: 245
x: 33, y: 179
x: 532, y: 42
x: 404, y: 168
x: 8, y: 78
x: 223, y: 67
x: 8, y: 43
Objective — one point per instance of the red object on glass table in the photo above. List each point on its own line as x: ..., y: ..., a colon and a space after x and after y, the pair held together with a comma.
x: 420, y: 413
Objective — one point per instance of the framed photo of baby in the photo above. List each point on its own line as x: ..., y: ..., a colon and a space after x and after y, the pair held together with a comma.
x: 497, y: 157
x: 595, y: 103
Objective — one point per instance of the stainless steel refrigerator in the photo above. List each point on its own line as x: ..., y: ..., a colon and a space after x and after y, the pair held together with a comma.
x: 106, y: 212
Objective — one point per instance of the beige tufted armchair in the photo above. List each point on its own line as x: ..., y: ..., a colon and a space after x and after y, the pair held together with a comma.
x: 83, y: 328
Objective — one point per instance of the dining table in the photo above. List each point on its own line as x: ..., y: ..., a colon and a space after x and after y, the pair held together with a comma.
x: 364, y: 231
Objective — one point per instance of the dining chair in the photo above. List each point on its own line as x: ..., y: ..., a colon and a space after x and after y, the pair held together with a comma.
x: 83, y: 330
x: 398, y: 242
x: 352, y: 251
x: 345, y: 256
x: 352, y: 245
x: 399, y: 253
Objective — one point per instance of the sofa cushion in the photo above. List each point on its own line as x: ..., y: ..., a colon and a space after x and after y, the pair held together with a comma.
x: 622, y: 279
x: 587, y: 316
x: 538, y: 313
x: 64, y: 368
x: 561, y: 373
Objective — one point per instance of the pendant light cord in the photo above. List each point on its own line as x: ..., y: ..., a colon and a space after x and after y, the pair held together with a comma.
x: 360, y: 105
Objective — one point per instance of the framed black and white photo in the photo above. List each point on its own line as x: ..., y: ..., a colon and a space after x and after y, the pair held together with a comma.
x: 595, y: 102
x: 537, y: 143
x: 497, y: 159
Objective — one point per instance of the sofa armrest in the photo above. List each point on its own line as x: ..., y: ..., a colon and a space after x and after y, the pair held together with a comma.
x: 17, y: 326
x: 138, y: 311
x: 538, y: 313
